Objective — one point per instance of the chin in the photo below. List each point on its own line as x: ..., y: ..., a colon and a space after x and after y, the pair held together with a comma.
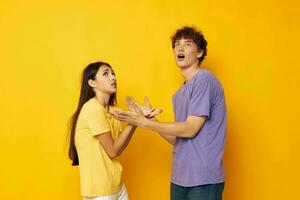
x: 183, y: 65
x: 113, y: 92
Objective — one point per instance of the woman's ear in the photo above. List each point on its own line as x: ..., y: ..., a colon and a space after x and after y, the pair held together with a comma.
x: 91, y: 83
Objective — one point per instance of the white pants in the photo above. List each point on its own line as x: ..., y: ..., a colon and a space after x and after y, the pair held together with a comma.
x: 121, y: 195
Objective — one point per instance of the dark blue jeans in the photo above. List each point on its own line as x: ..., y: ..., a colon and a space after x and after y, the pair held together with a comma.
x: 201, y: 192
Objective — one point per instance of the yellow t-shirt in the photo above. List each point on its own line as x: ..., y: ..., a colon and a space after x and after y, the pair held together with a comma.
x: 99, y: 174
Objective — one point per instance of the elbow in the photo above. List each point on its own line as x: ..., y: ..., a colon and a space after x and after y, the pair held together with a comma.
x: 191, y: 134
x: 113, y: 154
x: 192, y: 131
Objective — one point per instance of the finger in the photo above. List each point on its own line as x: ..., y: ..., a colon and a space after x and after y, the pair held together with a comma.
x: 119, y: 113
x: 147, y: 101
x: 116, y: 116
x: 155, y: 112
x: 133, y: 107
x: 128, y: 100
x: 131, y: 104
x: 133, y: 101
x: 137, y: 108
x: 119, y: 118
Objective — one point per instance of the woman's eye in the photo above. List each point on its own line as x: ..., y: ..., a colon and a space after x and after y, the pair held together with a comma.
x: 105, y: 73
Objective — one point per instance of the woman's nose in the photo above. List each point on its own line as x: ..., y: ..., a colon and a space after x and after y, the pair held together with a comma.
x: 112, y: 77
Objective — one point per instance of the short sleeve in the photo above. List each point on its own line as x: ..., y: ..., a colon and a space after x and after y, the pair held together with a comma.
x: 97, y: 121
x: 200, y: 101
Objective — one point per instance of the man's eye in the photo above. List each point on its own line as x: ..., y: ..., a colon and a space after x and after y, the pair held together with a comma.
x: 105, y: 73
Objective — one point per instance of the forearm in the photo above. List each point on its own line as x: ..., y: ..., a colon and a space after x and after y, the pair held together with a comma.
x: 169, y: 138
x: 189, y: 128
x: 177, y: 129
x: 123, y: 139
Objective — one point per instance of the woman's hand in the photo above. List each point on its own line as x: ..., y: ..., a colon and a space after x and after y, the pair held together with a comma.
x: 146, y: 110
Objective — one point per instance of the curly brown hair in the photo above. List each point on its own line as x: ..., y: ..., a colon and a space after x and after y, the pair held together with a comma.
x: 191, y: 32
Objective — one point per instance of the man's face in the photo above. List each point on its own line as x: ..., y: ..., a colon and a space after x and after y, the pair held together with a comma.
x: 186, y: 53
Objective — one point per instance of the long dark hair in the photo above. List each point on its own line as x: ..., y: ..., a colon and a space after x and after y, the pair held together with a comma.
x: 86, y: 93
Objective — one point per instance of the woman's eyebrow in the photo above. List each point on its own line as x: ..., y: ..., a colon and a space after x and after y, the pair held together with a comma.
x: 105, y: 70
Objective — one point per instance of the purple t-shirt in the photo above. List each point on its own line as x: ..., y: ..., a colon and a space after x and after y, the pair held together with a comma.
x: 198, y: 160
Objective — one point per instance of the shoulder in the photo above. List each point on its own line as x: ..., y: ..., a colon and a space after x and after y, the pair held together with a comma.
x: 207, y: 78
x: 204, y: 75
x: 92, y: 106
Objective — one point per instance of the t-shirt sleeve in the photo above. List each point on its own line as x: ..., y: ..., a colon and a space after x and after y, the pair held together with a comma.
x: 200, y: 102
x: 97, y: 121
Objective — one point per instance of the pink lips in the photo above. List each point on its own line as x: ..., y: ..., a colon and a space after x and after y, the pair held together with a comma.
x: 114, y: 84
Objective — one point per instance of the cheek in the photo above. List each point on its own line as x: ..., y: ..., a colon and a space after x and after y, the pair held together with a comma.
x: 100, y: 83
x: 192, y: 53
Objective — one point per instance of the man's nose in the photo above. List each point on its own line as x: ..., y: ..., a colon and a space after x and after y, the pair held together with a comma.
x: 180, y: 48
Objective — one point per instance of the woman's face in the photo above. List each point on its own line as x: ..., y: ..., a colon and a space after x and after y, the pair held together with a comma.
x: 105, y: 80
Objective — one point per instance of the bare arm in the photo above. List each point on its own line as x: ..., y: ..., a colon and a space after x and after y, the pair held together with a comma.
x: 115, y: 148
x: 187, y: 129
x: 169, y: 138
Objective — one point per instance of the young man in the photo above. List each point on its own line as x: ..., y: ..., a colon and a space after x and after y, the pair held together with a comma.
x: 198, y: 135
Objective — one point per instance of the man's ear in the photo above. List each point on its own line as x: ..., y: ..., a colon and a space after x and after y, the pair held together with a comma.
x: 200, y: 54
x: 91, y: 83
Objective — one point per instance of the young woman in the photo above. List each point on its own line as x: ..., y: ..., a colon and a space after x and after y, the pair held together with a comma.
x: 97, y: 138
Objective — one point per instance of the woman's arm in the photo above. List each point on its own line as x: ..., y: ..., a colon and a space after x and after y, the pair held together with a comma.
x: 115, y: 148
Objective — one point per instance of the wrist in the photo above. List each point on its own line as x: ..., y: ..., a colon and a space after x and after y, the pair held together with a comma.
x: 145, y: 123
x: 132, y: 126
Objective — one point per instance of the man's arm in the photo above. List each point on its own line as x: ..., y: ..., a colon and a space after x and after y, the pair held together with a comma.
x: 169, y: 138
x: 187, y: 129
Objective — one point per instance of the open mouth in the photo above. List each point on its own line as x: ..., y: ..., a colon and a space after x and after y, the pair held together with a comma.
x: 180, y: 56
x: 114, y: 84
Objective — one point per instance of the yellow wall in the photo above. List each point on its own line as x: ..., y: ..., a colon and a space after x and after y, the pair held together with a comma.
x: 253, y: 49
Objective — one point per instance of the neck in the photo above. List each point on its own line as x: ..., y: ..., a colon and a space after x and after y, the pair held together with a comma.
x: 189, y: 72
x: 102, y: 98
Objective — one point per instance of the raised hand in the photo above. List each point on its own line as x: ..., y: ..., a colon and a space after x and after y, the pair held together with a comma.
x: 131, y: 117
x: 146, y: 110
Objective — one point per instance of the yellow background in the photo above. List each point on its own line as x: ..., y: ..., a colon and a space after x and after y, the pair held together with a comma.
x: 253, y: 48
